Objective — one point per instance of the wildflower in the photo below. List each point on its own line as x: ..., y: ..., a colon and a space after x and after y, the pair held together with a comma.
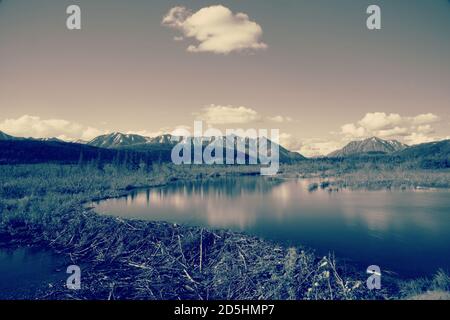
x: 316, y: 284
x: 326, y: 274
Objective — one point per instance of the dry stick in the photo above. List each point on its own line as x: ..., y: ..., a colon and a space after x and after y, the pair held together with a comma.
x: 336, y: 275
x: 62, y: 233
x: 241, y: 255
x: 201, y: 248
x: 111, y: 293
x: 329, y: 287
x: 128, y: 224
x: 181, y: 250
x: 194, y: 282
x: 71, y: 239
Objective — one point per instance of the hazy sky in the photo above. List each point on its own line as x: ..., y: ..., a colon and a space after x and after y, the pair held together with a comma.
x: 310, y: 68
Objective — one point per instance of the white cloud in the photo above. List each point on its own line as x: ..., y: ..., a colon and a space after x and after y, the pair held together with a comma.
x: 425, y: 129
x: 147, y: 133
x: 175, y: 131
x: 425, y: 118
x: 216, y: 29
x: 215, y: 114
x: 90, y: 133
x: 394, y: 132
x: 352, y: 130
x: 289, y: 142
x: 319, y: 147
x: 176, y: 17
x: 309, y: 147
x: 280, y: 119
x: 35, y: 127
x: 380, y: 120
x: 417, y: 138
x: 410, y: 130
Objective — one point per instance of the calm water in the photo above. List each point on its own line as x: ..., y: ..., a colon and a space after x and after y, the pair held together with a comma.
x: 26, y: 272
x: 407, y: 232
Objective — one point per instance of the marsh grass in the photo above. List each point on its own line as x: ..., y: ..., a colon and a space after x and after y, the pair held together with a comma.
x: 369, y: 175
x: 436, y: 287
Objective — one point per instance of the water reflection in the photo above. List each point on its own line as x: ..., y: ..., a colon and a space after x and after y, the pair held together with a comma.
x: 393, y: 228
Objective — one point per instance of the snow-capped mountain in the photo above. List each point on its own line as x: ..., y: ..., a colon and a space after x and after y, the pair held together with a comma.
x: 164, y: 143
x: 80, y: 141
x: 370, y: 145
x: 117, y: 140
x: 162, y: 139
x: 48, y: 139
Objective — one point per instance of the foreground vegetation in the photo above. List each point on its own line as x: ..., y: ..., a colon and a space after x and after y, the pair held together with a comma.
x: 45, y: 205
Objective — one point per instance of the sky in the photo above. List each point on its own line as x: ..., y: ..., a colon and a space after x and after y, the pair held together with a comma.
x: 309, y: 68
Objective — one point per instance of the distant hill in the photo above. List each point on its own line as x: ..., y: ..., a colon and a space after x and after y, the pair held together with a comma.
x: 4, y: 137
x: 428, y: 155
x: 438, y: 149
x: 35, y: 151
x: 372, y: 145
x: 14, y: 150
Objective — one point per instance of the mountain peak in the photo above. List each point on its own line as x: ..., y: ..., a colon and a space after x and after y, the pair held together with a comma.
x: 117, y: 139
x: 369, y: 145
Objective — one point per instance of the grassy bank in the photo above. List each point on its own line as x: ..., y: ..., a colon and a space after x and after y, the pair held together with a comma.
x: 370, y: 175
x: 44, y: 205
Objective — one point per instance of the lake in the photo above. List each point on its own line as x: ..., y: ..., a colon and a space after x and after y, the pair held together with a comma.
x: 406, y: 232
x: 25, y: 273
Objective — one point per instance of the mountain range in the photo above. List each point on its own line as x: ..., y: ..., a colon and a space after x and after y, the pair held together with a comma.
x: 117, y: 146
x: 7, y: 137
x: 108, y: 146
x: 122, y: 140
x: 165, y: 143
